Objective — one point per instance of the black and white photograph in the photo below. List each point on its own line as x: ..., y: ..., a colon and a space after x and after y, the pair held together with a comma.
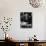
x: 26, y: 19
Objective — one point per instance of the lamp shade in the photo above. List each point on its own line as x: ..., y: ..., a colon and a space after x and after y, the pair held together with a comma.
x: 36, y: 3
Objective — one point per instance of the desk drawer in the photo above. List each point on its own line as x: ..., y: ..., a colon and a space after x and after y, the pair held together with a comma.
x: 25, y: 44
x: 42, y: 44
x: 21, y: 44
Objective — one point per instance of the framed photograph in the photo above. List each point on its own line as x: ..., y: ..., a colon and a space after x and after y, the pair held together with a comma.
x: 26, y: 19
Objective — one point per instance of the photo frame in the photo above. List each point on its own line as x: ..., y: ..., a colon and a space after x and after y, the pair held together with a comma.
x: 26, y: 19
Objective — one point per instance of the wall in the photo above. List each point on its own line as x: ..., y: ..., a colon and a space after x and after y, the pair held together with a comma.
x: 12, y: 8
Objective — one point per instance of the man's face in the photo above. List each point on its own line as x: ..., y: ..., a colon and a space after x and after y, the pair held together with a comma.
x: 26, y: 16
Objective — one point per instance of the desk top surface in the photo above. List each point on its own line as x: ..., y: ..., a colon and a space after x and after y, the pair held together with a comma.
x: 26, y: 41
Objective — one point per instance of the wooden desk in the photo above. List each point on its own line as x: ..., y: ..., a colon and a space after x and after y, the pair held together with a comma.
x: 28, y: 43
x: 31, y: 43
